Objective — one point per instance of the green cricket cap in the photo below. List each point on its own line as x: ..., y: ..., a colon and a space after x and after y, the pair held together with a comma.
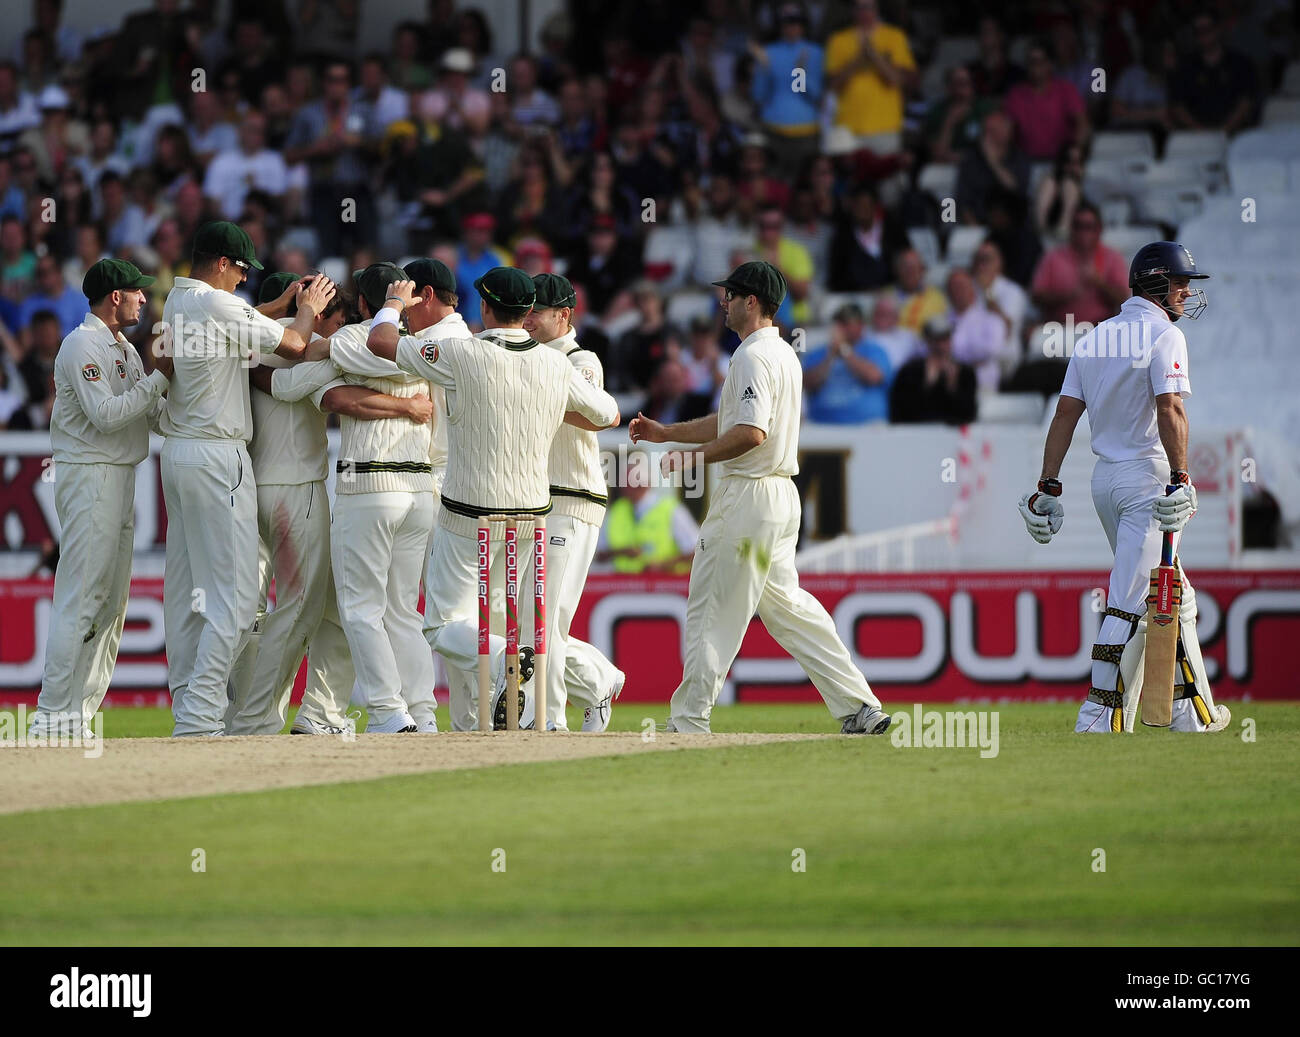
x: 507, y: 287
x: 553, y: 291
x: 756, y: 278
x: 273, y: 286
x: 373, y: 282
x: 226, y: 239
x: 108, y: 275
x: 431, y: 273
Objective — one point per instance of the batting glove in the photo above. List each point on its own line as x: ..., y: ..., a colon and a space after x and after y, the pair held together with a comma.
x: 1176, y: 510
x: 1042, y: 514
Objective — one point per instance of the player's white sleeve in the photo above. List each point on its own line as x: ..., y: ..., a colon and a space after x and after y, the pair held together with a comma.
x: 292, y: 384
x: 752, y: 381
x: 245, y: 326
x: 422, y: 359
x: 105, y: 411
x: 596, y: 405
x: 350, y: 352
x: 1168, y: 367
x: 1072, y: 385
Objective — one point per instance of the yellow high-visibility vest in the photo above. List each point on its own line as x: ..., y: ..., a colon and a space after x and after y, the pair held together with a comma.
x: 653, y: 534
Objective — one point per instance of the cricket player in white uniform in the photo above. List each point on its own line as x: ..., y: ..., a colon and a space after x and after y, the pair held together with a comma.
x: 506, y: 398
x: 383, y: 513
x: 1130, y: 374
x: 579, y: 497
x: 211, y: 586
x: 290, y: 453
x: 99, y: 432
x: 745, y: 560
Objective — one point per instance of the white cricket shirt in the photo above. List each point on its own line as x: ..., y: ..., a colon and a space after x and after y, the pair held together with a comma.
x: 1118, y: 369
x: 763, y: 388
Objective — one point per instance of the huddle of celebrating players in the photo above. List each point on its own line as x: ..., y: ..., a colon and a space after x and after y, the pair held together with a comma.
x: 440, y: 428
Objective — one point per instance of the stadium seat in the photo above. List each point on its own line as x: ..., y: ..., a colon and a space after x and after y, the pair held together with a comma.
x: 1010, y: 408
x: 1196, y: 144
x: 939, y: 179
x: 926, y: 242
x: 1127, y: 240
x: 1116, y: 212
x: 669, y: 253
x: 1173, y: 206
x: 1038, y: 172
x: 1123, y: 144
x: 962, y: 243
x: 1278, y: 141
x: 682, y: 306
x: 1252, y: 176
x: 1281, y: 110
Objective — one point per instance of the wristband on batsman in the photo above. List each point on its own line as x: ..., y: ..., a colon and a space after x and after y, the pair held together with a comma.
x: 387, y: 315
x: 1051, y: 487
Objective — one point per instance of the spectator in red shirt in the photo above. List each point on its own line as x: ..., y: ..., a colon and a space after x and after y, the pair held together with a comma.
x: 1047, y: 110
x: 1082, y: 277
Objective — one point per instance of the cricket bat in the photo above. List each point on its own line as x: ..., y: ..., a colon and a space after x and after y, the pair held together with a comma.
x: 1162, y: 637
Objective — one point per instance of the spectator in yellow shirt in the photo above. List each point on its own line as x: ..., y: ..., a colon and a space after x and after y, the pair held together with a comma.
x: 917, y: 301
x: 788, y: 256
x: 869, y: 65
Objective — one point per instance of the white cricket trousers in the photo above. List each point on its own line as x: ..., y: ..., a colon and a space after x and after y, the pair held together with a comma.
x: 211, y: 587
x: 451, y: 614
x: 294, y: 523
x: 588, y: 677
x: 1124, y: 494
x: 745, y: 562
x: 377, y: 543
x: 96, y: 508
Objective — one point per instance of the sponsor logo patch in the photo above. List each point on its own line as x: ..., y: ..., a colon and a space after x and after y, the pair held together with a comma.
x: 430, y: 353
x: 589, y: 374
x: 90, y: 372
x: 557, y: 541
x: 748, y: 394
x: 121, y: 368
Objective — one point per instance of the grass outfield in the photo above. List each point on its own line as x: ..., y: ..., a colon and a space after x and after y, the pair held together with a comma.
x: 902, y: 846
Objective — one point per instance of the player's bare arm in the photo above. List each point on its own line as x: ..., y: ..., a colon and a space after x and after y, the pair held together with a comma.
x: 735, y: 442
x: 312, y: 299
x: 1060, y: 434
x: 647, y: 430
x: 259, y: 378
x: 1171, y: 420
x: 356, y: 401
x: 384, y: 337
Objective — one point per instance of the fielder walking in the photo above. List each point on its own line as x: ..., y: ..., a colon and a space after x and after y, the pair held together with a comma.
x: 745, y: 560
x: 506, y: 399
x: 579, y: 497
x: 211, y: 585
x: 99, y: 431
x: 1130, y: 375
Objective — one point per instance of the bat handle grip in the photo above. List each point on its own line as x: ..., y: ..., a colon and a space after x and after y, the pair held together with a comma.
x: 1167, y: 547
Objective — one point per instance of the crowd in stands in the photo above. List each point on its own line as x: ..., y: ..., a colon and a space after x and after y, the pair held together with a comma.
x: 643, y: 149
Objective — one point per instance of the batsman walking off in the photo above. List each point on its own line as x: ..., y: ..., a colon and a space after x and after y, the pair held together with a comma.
x: 745, y: 560
x: 1130, y: 374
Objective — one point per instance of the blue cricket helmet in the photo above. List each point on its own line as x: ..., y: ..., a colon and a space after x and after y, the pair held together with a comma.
x: 1155, y: 265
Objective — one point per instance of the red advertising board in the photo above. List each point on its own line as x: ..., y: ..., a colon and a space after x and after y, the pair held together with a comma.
x: 917, y: 636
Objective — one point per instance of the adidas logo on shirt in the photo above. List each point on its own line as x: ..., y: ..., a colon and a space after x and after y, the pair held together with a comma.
x: 748, y: 394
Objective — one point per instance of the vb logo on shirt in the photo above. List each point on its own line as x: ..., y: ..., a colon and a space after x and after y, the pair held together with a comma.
x: 748, y: 394
x: 430, y: 353
x: 90, y: 372
x: 121, y: 368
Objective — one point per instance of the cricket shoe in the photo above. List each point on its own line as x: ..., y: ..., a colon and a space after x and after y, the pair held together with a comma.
x: 869, y: 720
x: 1222, y: 718
x: 398, y: 724
x: 526, y: 712
x: 596, y: 718
x: 307, y: 726
x: 427, y: 727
